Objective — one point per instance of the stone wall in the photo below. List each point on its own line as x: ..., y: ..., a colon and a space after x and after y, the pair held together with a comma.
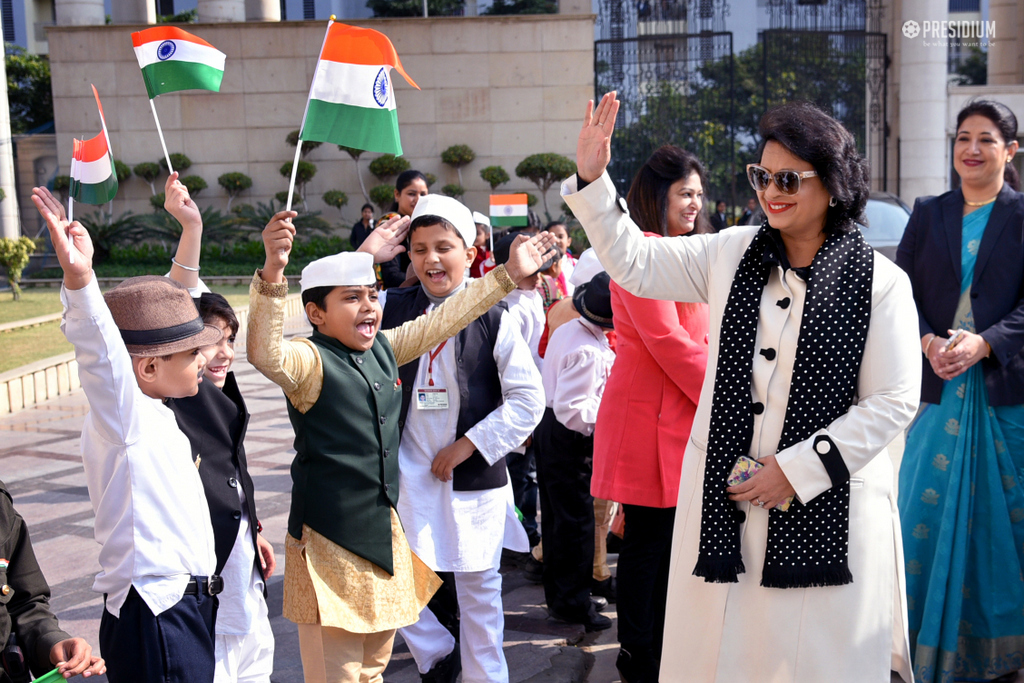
x: 506, y: 86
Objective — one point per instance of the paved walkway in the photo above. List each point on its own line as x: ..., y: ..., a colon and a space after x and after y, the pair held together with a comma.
x: 39, y: 449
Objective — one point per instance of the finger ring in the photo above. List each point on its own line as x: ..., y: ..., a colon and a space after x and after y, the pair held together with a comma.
x: 760, y: 503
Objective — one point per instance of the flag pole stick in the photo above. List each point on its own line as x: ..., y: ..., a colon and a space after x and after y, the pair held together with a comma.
x: 295, y: 168
x: 160, y: 132
x: 71, y: 242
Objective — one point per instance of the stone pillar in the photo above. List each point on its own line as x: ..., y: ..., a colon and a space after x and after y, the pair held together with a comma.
x: 263, y: 10
x: 133, y: 12
x: 10, y: 223
x: 221, y: 10
x: 1005, y: 53
x: 80, y: 12
x: 922, y: 100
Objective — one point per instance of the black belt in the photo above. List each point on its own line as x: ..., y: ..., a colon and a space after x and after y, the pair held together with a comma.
x: 201, y: 585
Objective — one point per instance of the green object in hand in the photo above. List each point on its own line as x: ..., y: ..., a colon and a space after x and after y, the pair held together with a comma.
x: 51, y: 677
x: 519, y: 514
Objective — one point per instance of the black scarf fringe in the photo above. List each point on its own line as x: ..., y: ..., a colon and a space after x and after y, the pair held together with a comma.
x: 791, y: 577
x: 719, y: 571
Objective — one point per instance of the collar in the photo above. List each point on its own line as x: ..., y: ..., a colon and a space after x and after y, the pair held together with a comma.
x: 775, y: 254
x: 438, y: 300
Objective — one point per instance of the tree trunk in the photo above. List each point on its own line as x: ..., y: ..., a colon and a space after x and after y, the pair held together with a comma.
x: 362, y: 187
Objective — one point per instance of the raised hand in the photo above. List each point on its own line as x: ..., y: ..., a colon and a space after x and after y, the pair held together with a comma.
x: 385, y: 241
x: 277, y: 242
x: 70, y: 242
x: 180, y: 205
x: 528, y: 254
x: 594, y: 148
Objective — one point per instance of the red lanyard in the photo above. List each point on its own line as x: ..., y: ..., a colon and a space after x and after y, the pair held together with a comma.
x: 430, y: 365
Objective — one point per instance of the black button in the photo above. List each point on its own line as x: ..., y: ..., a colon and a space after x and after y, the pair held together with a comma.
x: 974, y: 295
x: 768, y: 353
x: 232, y: 482
x: 387, y: 452
x: 237, y: 514
x: 383, y: 419
x: 783, y: 303
x: 739, y: 516
x: 359, y: 360
x: 758, y: 408
x: 387, y: 487
x: 376, y: 385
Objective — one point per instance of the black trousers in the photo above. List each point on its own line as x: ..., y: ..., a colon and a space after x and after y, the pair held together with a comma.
x: 175, y: 646
x: 564, y: 467
x: 445, y: 604
x: 522, y: 470
x: 643, y: 577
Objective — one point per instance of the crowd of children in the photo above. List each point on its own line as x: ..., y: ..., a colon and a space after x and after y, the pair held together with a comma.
x: 423, y: 417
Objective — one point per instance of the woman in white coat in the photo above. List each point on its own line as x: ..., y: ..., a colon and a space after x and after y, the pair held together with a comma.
x: 813, y: 370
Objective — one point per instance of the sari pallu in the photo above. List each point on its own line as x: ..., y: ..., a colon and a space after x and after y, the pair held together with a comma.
x: 961, y: 502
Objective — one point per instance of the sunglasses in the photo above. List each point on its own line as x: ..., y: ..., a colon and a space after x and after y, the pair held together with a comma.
x: 787, y: 182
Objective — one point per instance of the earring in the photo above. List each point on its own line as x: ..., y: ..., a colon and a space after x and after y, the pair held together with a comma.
x: 833, y: 201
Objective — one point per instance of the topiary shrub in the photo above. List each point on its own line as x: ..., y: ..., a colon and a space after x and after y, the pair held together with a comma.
x: 14, y: 256
x: 494, y: 176
x: 194, y: 184
x: 387, y: 166
x: 431, y: 178
x: 123, y: 171
x: 181, y: 162
x: 335, y: 198
x: 303, y: 175
x: 234, y: 184
x: 307, y: 145
x: 453, y: 190
x: 157, y: 201
x: 383, y: 196
x: 544, y: 170
x: 149, y: 172
x: 458, y: 156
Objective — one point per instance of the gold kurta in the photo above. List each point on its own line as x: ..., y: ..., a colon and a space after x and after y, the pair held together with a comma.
x: 323, y: 582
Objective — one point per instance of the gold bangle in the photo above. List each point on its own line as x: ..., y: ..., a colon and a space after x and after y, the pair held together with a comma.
x: 929, y: 345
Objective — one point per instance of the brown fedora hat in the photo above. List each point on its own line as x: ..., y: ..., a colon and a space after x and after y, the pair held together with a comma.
x: 157, y: 317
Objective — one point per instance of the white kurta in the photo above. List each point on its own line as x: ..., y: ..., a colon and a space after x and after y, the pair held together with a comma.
x: 464, y: 531
x: 729, y: 633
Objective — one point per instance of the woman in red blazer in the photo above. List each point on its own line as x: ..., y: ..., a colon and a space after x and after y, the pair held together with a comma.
x: 647, y: 410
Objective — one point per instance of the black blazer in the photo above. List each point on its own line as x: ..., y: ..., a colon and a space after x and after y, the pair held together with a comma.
x: 930, y: 253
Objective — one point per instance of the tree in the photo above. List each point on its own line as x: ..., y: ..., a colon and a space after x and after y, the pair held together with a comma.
x: 307, y: 145
x: 123, y: 171
x: 414, y: 8
x: 149, y: 172
x: 430, y: 179
x: 234, y: 183
x: 28, y: 89
x: 14, y: 256
x: 387, y: 166
x: 335, y: 198
x: 522, y: 7
x: 494, y: 176
x: 458, y: 156
x: 181, y: 162
x: 355, y: 154
x: 194, y: 184
x: 544, y: 170
x: 453, y: 190
x: 383, y: 196
x: 303, y: 175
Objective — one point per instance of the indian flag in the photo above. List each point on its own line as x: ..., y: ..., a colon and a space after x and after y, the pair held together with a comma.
x: 172, y: 60
x: 352, y: 101
x: 509, y: 210
x: 93, y: 176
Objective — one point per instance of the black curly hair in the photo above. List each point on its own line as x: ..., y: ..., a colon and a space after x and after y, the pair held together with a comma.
x: 817, y: 138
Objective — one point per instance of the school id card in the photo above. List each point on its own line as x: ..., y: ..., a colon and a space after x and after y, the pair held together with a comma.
x: 431, y: 398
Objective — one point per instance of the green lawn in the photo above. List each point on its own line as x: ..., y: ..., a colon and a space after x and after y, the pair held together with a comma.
x: 22, y: 347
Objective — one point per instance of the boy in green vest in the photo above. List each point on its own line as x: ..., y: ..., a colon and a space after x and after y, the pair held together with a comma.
x: 350, y: 578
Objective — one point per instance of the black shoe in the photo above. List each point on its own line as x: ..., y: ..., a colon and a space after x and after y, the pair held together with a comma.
x: 516, y: 559
x: 534, y: 570
x: 591, y: 621
x: 608, y: 588
x: 637, y: 665
x: 598, y: 602
x: 445, y: 671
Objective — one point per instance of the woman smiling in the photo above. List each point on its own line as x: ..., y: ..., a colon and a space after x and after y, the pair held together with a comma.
x: 812, y: 371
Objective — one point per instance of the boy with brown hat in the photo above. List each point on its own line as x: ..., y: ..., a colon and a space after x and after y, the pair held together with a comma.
x: 137, y: 346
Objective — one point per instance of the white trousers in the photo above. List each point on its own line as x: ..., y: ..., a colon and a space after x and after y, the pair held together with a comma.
x: 248, y: 658
x: 481, y: 631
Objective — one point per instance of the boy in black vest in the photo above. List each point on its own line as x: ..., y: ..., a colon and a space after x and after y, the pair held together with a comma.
x: 465, y: 405
x: 350, y: 578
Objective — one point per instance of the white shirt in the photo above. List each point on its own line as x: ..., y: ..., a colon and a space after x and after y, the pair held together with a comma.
x: 578, y: 362
x: 151, y: 513
x: 527, y: 308
x: 239, y: 603
x: 465, y: 530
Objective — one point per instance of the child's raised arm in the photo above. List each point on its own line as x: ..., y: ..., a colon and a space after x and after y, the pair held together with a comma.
x: 71, y: 243
x: 385, y: 241
x: 277, y: 243
x: 185, y: 262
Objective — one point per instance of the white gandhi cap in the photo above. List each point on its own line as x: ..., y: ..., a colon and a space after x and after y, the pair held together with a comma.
x: 452, y: 210
x: 586, y: 268
x: 481, y: 219
x: 341, y: 270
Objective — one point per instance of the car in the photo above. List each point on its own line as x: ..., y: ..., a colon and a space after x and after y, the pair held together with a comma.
x: 886, y: 219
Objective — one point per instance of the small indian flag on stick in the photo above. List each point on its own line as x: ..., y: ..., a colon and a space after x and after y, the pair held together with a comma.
x: 509, y: 210
x: 352, y: 101
x: 93, y: 176
x: 172, y: 60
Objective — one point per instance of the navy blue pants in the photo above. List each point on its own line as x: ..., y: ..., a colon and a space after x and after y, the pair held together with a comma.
x: 175, y: 647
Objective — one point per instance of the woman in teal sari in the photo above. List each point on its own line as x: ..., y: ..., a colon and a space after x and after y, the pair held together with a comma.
x: 961, y: 483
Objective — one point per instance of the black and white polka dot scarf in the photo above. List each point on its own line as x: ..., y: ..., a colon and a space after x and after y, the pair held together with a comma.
x: 807, y: 545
